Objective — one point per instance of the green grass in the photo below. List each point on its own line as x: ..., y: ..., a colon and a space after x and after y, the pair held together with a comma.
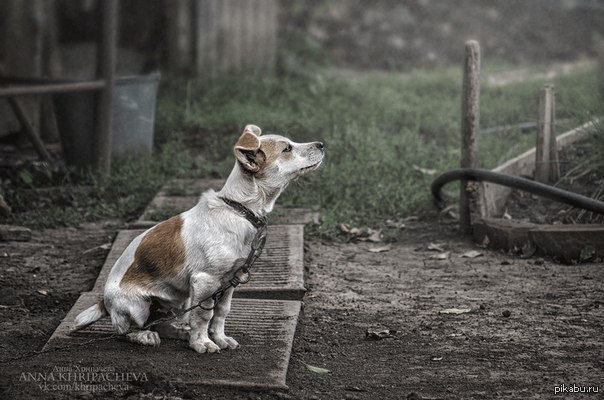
x: 376, y: 126
x: 41, y: 199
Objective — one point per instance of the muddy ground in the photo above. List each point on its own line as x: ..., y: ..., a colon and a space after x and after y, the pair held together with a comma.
x: 532, y: 325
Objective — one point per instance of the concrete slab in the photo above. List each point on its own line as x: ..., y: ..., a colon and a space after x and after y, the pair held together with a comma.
x: 179, y: 195
x: 278, y: 273
x: 264, y: 328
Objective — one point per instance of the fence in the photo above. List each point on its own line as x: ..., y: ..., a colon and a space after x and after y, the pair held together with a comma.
x: 211, y: 37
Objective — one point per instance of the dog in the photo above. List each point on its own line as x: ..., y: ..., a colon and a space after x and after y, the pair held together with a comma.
x: 184, y: 260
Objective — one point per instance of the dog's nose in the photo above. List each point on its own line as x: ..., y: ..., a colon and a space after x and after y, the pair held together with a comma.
x: 320, y: 145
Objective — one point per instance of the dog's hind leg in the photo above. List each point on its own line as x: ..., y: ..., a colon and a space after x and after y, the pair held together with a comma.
x: 138, y: 312
x: 217, y: 323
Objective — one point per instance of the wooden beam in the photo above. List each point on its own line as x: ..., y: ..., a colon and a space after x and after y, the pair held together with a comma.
x: 51, y: 88
x: 107, y: 56
x: 470, y: 131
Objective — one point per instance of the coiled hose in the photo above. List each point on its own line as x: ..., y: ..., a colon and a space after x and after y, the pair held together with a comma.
x: 540, y: 189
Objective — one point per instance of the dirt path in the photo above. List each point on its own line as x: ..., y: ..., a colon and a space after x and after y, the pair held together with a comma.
x: 552, y: 336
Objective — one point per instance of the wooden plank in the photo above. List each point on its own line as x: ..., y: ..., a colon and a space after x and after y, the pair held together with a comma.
x: 470, y: 130
x: 264, y: 328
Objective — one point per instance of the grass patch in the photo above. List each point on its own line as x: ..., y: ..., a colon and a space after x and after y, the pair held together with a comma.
x: 41, y: 199
x: 376, y: 127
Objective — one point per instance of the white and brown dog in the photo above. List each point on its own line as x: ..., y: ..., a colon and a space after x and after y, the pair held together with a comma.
x: 185, y: 259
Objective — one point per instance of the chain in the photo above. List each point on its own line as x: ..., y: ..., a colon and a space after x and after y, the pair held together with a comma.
x: 257, y: 246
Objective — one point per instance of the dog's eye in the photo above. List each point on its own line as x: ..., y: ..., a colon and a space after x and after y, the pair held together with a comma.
x: 287, y: 148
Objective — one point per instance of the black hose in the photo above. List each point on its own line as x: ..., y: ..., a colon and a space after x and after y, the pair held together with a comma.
x: 540, y: 189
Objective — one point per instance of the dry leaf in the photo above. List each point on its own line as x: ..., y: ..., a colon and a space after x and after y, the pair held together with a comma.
x: 43, y: 292
x: 344, y: 228
x: 379, y: 249
x: 316, y: 370
x: 435, y: 247
x: 471, y: 254
x: 425, y: 171
x: 455, y: 311
x: 375, y: 236
x: 379, y: 335
x: 440, y: 256
x: 437, y: 358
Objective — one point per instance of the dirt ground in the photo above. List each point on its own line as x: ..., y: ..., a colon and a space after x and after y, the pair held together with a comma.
x: 525, y: 326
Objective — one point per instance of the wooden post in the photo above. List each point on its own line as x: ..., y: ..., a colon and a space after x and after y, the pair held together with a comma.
x: 178, y: 34
x: 544, y: 153
x: 107, y: 55
x: 470, y: 130
x: 600, y: 50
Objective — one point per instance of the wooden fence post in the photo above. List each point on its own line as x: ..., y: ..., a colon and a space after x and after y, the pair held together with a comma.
x: 600, y: 50
x: 470, y: 131
x: 546, y: 155
x: 107, y: 56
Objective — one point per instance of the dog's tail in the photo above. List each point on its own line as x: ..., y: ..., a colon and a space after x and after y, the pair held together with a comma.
x: 90, y: 315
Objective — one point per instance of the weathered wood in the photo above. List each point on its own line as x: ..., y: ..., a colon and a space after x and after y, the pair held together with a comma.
x: 28, y: 128
x: 554, y: 159
x: 107, y: 57
x: 22, y: 31
x: 470, y: 132
x: 600, y: 50
x: 179, y: 31
x: 544, y: 135
x: 51, y: 88
x: 235, y: 36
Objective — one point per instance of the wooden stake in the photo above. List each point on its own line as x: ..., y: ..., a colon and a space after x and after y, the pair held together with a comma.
x: 106, y: 60
x: 600, y: 50
x: 544, y: 135
x: 470, y: 130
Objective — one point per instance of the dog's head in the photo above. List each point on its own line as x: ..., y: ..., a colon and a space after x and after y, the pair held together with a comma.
x: 275, y: 160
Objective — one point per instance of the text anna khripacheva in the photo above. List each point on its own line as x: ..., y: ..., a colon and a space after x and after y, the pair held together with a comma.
x: 83, y: 378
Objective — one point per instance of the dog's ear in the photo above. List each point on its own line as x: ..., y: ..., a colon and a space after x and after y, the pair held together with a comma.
x: 247, y: 150
x: 253, y: 129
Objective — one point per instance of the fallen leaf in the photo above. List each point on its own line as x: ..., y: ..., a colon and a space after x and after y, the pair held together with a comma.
x: 344, y: 228
x: 395, y: 224
x: 471, y: 254
x: 440, y: 256
x: 435, y: 247
x: 437, y: 358
x: 455, y: 311
x: 375, y: 236
x: 379, y: 335
x: 506, y: 215
x: 43, y: 292
x: 316, y: 370
x: 425, y: 171
x: 355, y: 231
x: 379, y: 249
x: 105, y: 246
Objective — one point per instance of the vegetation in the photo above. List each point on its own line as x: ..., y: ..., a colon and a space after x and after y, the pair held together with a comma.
x: 384, y: 133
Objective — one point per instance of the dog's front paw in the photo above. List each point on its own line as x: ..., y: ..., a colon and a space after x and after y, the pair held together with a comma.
x: 204, y: 346
x: 225, y: 342
x: 147, y: 338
